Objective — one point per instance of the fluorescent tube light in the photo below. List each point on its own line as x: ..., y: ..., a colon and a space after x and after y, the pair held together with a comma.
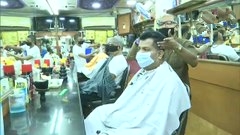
x: 131, y: 2
x: 3, y: 3
x: 96, y: 5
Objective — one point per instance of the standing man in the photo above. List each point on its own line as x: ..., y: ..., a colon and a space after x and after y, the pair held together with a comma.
x: 80, y: 57
x: 32, y: 53
x: 179, y: 53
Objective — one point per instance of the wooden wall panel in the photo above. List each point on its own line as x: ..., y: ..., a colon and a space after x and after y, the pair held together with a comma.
x: 215, y: 88
x: 218, y: 105
x: 225, y: 74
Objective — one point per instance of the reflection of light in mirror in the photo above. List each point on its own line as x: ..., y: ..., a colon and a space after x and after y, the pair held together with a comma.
x: 49, y: 20
x: 59, y: 122
x: 53, y: 121
x: 62, y: 18
x: 72, y: 21
x: 56, y: 121
x: 70, y: 85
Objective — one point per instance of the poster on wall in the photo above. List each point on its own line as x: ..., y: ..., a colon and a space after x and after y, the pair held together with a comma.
x: 10, y: 38
x: 110, y: 33
x: 22, y: 35
x: 101, y: 37
x: 90, y: 34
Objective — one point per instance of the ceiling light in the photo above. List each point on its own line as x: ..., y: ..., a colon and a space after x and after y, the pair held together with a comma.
x: 131, y: 2
x: 96, y: 5
x: 62, y: 18
x: 49, y: 20
x: 71, y: 20
x: 3, y: 3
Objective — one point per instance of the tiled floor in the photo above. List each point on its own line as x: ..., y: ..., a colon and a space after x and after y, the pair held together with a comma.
x: 198, y: 126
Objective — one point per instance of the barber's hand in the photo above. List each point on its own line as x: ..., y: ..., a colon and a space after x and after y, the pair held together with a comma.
x: 168, y: 43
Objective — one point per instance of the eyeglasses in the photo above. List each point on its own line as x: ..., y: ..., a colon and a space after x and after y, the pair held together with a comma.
x: 166, y: 23
x: 109, y: 44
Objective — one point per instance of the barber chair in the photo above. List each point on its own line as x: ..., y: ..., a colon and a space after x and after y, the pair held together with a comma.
x: 218, y: 57
x: 183, y: 118
x: 223, y: 57
x: 97, y: 101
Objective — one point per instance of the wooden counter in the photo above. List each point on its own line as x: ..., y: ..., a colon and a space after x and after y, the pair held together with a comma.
x: 215, y: 88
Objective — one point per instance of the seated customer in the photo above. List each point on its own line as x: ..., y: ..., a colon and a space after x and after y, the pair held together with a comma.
x: 152, y: 102
x: 219, y: 47
x: 109, y: 76
x: 92, y: 67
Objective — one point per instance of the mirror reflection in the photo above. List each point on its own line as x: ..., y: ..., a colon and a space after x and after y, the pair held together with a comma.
x: 214, y: 32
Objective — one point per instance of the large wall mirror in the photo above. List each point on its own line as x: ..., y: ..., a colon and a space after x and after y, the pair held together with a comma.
x: 217, y: 25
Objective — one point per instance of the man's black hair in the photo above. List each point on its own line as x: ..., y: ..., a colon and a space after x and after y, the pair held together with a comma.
x: 32, y: 38
x: 156, y: 36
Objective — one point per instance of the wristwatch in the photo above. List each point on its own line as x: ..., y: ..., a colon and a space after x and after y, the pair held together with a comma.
x: 179, y: 48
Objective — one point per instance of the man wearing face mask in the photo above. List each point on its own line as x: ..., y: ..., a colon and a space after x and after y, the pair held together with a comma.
x: 179, y: 53
x: 118, y: 62
x: 152, y: 102
x: 80, y: 57
x: 113, y: 71
x: 31, y: 53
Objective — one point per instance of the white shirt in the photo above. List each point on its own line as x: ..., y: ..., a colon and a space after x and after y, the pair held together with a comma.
x: 35, y: 53
x: 79, y: 61
x: 225, y: 50
x: 116, y: 66
x: 25, y: 48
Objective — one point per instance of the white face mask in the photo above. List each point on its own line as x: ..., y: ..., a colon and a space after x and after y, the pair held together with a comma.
x: 144, y: 59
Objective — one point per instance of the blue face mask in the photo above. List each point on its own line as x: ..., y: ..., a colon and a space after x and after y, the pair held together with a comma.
x: 144, y: 59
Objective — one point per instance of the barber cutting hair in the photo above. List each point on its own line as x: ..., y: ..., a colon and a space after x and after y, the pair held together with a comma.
x: 152, y: 102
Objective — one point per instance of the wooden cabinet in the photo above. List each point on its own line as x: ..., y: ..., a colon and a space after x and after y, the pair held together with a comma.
x: 124, y: 24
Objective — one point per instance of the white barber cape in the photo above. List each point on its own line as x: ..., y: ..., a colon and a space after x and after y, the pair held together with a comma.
x: 150, y: 105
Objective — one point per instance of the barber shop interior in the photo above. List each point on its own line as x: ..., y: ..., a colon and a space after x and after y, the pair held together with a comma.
x: 120, y: 67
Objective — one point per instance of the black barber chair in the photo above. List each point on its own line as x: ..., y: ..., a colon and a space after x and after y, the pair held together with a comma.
x: 92, y: 101
x: 217, y: 57
x: 118, y: 90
